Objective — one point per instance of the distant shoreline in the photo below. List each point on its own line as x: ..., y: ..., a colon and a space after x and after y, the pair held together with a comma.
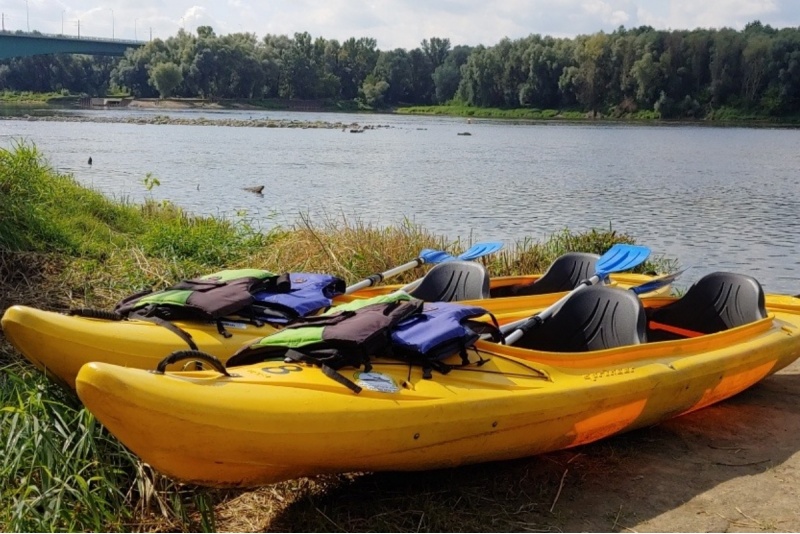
x: 469, y: 114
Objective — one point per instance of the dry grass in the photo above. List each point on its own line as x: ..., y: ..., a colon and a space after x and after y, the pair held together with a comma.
x: 351, y: 249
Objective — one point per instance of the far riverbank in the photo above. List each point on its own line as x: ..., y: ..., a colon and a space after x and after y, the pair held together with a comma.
x: 17, y: 108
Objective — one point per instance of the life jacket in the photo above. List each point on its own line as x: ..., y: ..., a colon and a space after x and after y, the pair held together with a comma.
x: 308, y: 293
x: 391, y: 326
x: 209, y: 297
x: 440, y: 331
x: 346, y: 335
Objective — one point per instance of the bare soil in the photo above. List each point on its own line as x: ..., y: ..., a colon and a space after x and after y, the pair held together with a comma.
x: 171, y: 103
x: 199, y: 103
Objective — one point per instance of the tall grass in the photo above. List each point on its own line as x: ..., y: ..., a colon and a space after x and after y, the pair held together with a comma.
x: 60, y: 471
x: 62, y: 245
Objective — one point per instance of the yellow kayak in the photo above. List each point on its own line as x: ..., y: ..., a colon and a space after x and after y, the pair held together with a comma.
x: 272, y: 421
x: 60, y: 344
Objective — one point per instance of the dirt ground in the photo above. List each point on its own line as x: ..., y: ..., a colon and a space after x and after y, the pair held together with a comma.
x: 155, y: 103
x: 732, y: 467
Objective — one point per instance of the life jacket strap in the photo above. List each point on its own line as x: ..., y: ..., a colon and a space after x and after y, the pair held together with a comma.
x: 183, y: 334
x: 293, y: 355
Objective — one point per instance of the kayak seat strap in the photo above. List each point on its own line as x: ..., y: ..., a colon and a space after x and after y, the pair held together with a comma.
x: 718, y: 301
x: 564, y: 274
x: 596, y: 318
x: 452, y: 281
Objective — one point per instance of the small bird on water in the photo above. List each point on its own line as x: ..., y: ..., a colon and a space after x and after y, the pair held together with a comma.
x: 90, y: 160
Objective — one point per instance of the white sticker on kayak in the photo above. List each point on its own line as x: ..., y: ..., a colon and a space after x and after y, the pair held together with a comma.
x: 231, y: 324
x: 377, y: 382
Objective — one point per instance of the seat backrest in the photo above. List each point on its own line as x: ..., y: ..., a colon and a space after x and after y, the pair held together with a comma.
x: 595, y: 318
x: 453, y: 281
x: 564, y: 274
x: 716, y: 302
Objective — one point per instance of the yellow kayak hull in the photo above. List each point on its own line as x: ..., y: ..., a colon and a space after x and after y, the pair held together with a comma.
x: 60, y: 344
x: 275, y: 421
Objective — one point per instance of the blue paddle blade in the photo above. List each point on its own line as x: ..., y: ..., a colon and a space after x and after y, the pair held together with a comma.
x: 480, y: 249
x: 657, y: 283
x: 429, y: 255
x: 621, y: 257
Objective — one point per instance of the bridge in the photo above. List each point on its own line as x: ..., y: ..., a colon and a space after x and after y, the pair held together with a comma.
x: 20, y: 44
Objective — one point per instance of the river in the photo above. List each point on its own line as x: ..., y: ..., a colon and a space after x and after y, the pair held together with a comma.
x: 715, y: 198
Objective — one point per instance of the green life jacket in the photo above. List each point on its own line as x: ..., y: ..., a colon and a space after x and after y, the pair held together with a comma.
x: 209, y: 297
x: 346, y: 335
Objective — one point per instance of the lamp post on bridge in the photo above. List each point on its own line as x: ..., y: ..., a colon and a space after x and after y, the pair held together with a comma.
x: 27, y: 16
x: 112, y: 24
x: 62, y: 21
x: 135, y: 38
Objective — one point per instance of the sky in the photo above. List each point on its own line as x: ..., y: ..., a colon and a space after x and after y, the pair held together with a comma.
x: 393, y: 23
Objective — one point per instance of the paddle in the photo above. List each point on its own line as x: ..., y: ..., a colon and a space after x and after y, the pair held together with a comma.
x: 428, y: 256
x: 618, y: 258
x: 657, y: 283
x: 474, y: 252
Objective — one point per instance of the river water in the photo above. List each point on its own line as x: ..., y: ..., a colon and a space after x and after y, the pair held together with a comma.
x: 715, y: 198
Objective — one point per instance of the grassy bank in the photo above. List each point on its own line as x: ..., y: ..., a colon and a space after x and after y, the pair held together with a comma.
x: 723, y: 116
x: 26, y: 97
x: 64, y: 246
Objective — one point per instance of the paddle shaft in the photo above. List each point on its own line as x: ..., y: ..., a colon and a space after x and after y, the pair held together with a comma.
x: 379, y: 277
x: 618, y: 258
x: 650, y: 285
x: 519, y: 328
x: 428, y: 256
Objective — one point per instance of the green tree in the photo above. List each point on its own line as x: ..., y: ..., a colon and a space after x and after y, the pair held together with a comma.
x: 726, y: 59
x: 545, y: 62
x: 357, y: 59
x: 447, y: 76
x: 591, y: 76
x: 165, y: 77
x: 132, y: 72
x: 647, y: 79
x: 373, y: 92
x: 755, y: 66
x: 480, y: 79
x: 394, y: 68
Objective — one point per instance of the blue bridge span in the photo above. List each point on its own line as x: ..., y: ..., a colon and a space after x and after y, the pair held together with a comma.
x: 32, y: 44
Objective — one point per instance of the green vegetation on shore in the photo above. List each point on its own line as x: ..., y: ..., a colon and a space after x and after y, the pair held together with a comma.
x: 27, y: 97
x: 725, y: 115
x: 62, y: 246
x: 534, y: 114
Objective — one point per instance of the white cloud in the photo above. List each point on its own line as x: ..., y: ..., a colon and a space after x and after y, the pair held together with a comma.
x: 393, y: 23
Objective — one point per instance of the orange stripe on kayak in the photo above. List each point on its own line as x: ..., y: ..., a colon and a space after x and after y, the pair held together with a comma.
x: 674, y: 329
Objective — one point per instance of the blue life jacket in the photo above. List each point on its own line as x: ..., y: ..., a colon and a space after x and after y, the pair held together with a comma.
x: 442, y: 330
x: 308, y: 293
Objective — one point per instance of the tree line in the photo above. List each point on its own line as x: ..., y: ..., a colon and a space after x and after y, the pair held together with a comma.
x: 675, y: 73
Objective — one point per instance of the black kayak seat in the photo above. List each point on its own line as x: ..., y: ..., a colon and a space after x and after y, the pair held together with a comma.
x: 595, y: 318
x: 716, y: 302
x: 453, y: 281
x: 564, y: 274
